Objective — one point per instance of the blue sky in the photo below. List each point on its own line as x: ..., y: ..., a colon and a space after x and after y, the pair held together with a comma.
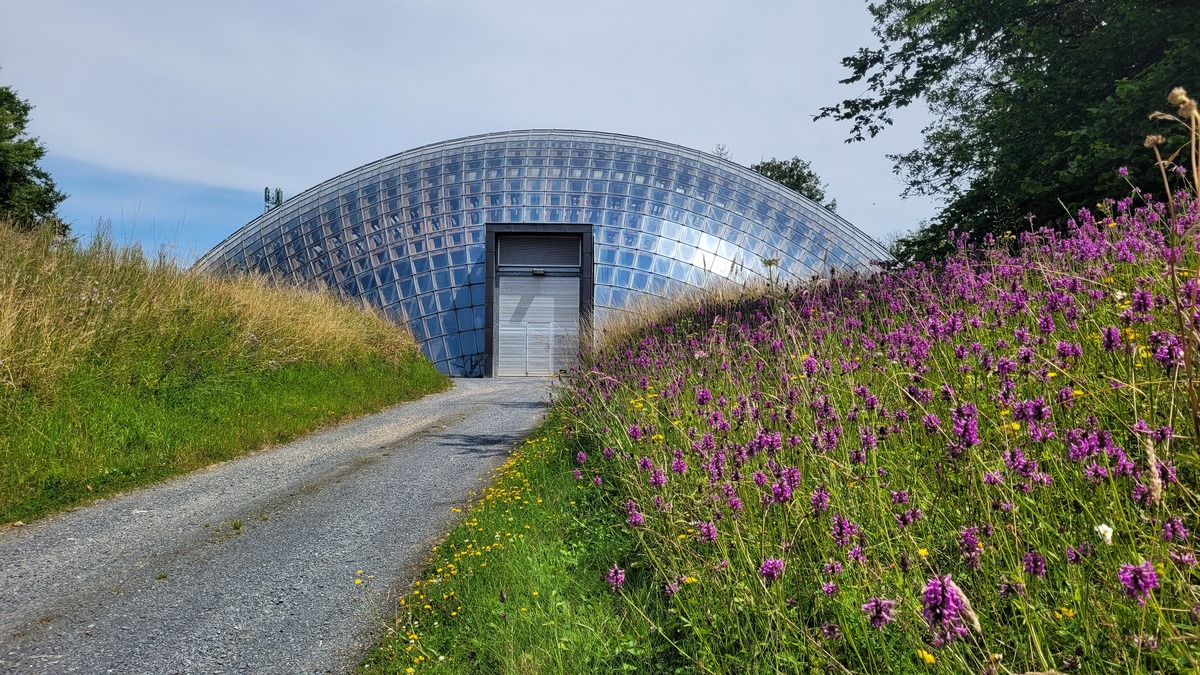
x: 169, y: 119
x: 186, y: 217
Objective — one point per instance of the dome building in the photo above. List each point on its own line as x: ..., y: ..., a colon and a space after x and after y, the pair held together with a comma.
x: 493, y: 248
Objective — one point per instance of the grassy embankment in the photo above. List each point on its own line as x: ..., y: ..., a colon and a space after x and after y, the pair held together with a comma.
x: 117, y: 370
x: 985, y: 465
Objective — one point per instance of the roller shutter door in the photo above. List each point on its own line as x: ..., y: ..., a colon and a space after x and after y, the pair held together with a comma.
x: 538, y: 331
x: 538, y: 250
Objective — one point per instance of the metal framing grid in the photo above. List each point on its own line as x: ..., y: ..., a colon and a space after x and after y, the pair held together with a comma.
x: 406, y: 233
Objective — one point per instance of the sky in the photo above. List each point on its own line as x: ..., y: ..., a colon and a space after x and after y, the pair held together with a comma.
x: 165, y: 121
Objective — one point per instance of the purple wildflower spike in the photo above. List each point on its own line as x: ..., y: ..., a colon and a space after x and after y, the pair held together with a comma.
x: 1138, y: 580
x: 879, y: 611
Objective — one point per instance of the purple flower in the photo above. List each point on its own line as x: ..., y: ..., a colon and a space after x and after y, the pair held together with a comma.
x: 832, y: 567
x: 1184, y: 559
x: 1095, y: 472
x: 1167, y: 349
x: 969, y: 546
x: 831, y: 631
x: 843, y: 530
x: 703, y: 396
x: 771, y: 569
x: 1173, y: 529
x: 908, y: 517
x: 829, y: 588
x: 597, y: 480
x: 658, y: 478
x: 782, y: 492
x: 1016, y: 462
x: 645, y: 464
x: 635, y: 517
x: 616, y: 578
x: 679, y: 466
x: 966, y: 424
x: 1110, y: 338
x: 1068, y: 350
x: 879, y: 611
x: 945, y: 610
x: 708, y: 531
x: 1035, y: 564
x: 581, y: 457
x: 578, y: 474
x: 1138, y: 580
x: 1037, y: 410
x: 635, y: 432
x: 1076, y: 554
x: 820, y: 499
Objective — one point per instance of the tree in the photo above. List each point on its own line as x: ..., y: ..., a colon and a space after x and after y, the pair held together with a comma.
x: 27, y: 193
x: 798, y: 175
x: 1037, y: 103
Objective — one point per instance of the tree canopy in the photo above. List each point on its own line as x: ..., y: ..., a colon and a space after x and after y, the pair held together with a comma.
x: 27, y: 193
x: 1037, y: 103
x: 797, y: 174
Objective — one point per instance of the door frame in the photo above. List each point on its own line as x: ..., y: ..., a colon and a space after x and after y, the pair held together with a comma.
x: 586, y: 275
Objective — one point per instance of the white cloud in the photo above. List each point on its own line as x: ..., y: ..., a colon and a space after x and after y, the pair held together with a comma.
x: 244, y: 94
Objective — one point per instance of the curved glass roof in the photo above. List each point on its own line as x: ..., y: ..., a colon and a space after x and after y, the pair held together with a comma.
x: 407, y: 232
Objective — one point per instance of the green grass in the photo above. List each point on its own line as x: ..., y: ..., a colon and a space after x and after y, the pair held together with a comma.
x: 545, y: 541
x: 96, y: 439
x: 117, y: 370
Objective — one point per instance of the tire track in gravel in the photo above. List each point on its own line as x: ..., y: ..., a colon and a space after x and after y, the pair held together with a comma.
x: 159, y: 580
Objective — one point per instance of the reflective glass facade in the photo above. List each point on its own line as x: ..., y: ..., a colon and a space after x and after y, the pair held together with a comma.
x: 407, y: 232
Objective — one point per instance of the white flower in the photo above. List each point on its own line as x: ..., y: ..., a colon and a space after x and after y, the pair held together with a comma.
x: 1105, y: 533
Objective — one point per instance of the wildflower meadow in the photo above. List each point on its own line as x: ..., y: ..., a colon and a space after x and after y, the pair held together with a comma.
x: 985, y: 465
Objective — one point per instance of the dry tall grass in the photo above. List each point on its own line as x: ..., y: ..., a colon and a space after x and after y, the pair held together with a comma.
x: 62, y: 304
x: 619, y: 324
x: 117, y: 369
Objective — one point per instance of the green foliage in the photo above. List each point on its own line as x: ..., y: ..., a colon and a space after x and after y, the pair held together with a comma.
x: 1037, y: 102
x: 798, y: 175
x: 27, y: 193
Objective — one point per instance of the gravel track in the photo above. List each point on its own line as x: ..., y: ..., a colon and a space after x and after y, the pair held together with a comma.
x: 159, y: 580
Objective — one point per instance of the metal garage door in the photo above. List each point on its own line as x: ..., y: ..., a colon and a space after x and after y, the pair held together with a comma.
x: 538, y: 331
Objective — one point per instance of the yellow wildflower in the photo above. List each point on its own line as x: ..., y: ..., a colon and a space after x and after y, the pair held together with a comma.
x: 925, y: 656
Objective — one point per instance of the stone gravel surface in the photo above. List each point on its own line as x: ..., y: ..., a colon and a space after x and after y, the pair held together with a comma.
x: 250, y: 565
